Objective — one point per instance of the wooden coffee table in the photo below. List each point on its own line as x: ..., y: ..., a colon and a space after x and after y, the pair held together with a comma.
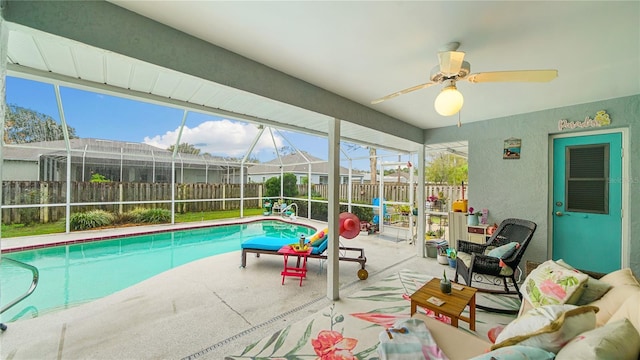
x: 454, y: 303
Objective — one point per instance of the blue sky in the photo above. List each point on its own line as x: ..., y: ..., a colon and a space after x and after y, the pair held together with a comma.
x: 100, y: 116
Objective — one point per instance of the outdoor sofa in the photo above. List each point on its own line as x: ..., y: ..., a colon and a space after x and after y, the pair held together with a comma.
x: 615, y: 335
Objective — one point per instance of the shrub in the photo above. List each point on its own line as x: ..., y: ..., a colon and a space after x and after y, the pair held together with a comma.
x: 135, y: 215
x: 289, y: 187
x: 98, y: 178
x: 90, y: 219
x: 124, y: 218
x: 156, y: 216
x: 363, y: 213
x: 151, y: 216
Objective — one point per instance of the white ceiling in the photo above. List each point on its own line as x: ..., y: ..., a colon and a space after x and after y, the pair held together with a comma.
x: 363, y: 50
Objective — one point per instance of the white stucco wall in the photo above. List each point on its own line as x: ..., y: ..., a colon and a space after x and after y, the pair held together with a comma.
x: 20, y: 170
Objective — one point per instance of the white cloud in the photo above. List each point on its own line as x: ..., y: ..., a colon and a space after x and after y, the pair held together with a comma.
x: 222, y: 137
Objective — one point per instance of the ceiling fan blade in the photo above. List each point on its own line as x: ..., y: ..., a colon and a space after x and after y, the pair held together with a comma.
x: 513, y: 76
x: 450, y: 62
x: 402, y: 92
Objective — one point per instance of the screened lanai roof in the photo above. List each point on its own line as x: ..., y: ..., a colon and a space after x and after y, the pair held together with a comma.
x: 106, y: 149
x: 297, y: 162
x: 40, y: 56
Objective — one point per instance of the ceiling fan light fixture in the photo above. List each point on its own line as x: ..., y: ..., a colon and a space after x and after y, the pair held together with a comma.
x: 449, y: 101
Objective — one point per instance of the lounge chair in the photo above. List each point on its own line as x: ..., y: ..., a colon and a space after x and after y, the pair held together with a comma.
x: 271, y: 245
x: 475, y: 262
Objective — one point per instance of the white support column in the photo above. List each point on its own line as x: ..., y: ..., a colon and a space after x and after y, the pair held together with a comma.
x: 333, y: 278
x: 308, y: 193
x: 282, y: 183
x: 84, y: 156
x: 412, y: 200
x: 241, y: 189
x: 381, y: 196
x: 173, y: 167
x: 153, y: 170
x: 244, y: 160
x: 421, y: 198
x: 4, y: 40
x: 121, y: 164
x: 65, y: 131
x: 350, y: 189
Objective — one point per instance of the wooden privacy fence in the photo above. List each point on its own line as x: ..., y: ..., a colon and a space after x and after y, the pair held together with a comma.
x: 365, y: 193
x: 147, y: 195
x: 189, y: 197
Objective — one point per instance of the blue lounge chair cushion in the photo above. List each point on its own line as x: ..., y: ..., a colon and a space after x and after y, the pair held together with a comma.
x: 274, y: 244
x: 317, y: 250
x: 267, y: 243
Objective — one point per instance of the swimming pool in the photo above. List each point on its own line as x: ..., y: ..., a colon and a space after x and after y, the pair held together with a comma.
x: 74, y: 274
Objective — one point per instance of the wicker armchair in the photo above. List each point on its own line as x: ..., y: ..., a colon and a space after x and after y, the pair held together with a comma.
x: 473, y: 265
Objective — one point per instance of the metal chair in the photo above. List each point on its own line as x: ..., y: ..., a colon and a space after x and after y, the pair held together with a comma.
x: 474, y: 266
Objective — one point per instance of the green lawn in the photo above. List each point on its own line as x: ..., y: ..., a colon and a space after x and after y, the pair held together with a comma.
x: 215, y: 215
x: 15, y: 230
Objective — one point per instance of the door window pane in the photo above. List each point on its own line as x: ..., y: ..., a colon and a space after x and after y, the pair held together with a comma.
x: 587, y: 171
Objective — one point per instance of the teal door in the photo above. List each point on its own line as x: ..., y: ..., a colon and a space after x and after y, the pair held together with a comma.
x: 587, y: 201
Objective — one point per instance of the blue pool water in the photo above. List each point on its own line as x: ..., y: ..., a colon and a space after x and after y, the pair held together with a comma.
x: 74, y: 274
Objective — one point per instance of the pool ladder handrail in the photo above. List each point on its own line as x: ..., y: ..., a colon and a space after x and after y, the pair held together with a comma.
x: 32, y: 288
x: 283, y: 212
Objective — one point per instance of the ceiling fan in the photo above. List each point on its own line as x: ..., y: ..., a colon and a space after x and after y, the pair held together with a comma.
x: 452, y: 68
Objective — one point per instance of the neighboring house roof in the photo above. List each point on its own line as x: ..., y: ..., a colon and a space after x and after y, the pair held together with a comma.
x: 104, y: 149
x: 404, y: 178
x: 296, y: 163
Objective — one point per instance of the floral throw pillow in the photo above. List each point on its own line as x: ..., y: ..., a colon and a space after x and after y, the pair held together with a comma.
x: 547, y: 327
x: 594, y: 289
x: 552, y: 284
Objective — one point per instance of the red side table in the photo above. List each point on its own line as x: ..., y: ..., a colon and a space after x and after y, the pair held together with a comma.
x: 300, y: 270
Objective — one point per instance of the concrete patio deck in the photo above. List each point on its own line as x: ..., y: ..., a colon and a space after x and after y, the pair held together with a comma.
x: 204, y: 309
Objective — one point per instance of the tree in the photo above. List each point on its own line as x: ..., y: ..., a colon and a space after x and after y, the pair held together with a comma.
x: 447, y: 169
x: 373, y: 159
x: 289, y: 187
x: 373, y: 164
x: 185, y: 148
x: 286, y: 150
x: 24, y: 125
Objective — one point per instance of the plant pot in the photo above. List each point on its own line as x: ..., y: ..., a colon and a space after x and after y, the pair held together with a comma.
x: 472, y: 219
x: 452, y: 262
x: 445, y: 286
x: 432, y: 251
x: 442, y: 259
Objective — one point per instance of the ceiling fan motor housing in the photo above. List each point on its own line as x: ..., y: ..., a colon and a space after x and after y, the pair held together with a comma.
x: 438, y: 77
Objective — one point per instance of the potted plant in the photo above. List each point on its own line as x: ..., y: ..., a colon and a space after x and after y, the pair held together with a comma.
x: 445, y: 284
x: 442, y: 257
x: 433, y: 199
x: 451, y: 257
x: 473, y: 217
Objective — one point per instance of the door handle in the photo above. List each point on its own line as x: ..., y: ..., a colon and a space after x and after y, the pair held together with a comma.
x: 560, y: 213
